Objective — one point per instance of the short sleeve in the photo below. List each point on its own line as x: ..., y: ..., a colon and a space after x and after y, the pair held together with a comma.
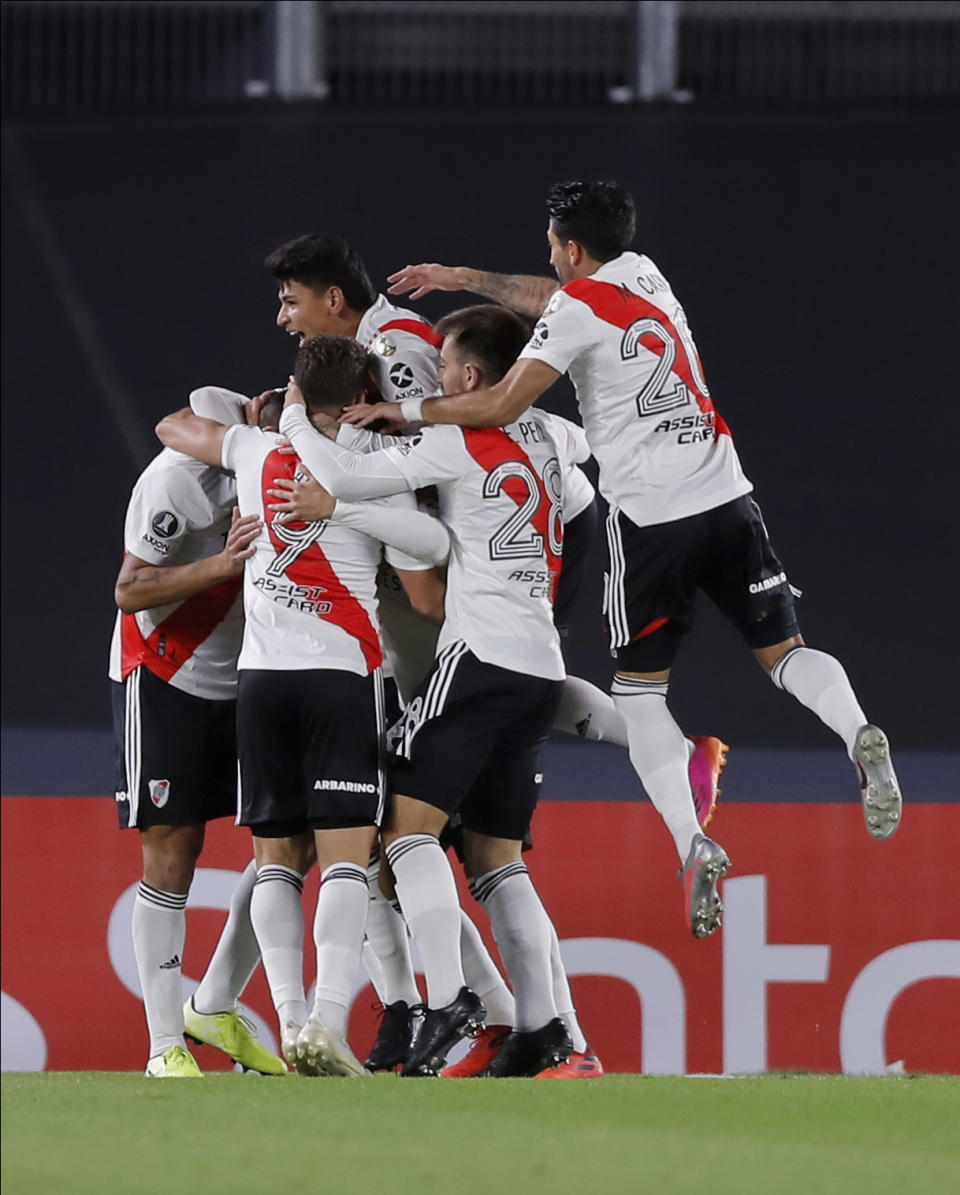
x: 434, y: 455
x: 563, y: 332
x: 238, y: 442
x: 165, y: 506
x: 410, y: 369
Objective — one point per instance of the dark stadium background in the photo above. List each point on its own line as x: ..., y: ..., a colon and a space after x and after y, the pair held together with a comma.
x: 813, y: 243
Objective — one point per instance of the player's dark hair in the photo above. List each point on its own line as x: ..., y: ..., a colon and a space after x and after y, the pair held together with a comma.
x: 487, y: 336
x: 322, y: 260
x: 271, y: 410
x: 599, y: 216
x: 331, y: 372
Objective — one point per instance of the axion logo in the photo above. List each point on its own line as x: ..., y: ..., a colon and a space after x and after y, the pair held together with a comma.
x: 401, y: 375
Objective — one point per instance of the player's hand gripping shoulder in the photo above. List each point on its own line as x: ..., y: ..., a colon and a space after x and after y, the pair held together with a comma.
x: 363, y: 414
x: 300, y: 501
x: 144, y: 586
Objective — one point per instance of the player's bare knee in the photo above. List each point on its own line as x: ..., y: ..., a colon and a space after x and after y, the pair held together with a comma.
x: 482, y: 853
x: 170, y: 855
x: 296, y: 851
x: 769, y: 657
x: 410, y: 816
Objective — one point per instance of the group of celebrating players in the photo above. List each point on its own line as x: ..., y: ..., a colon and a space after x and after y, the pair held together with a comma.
x: 341, y: 614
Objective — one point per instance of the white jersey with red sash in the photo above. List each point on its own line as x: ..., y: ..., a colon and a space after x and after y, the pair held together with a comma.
x: 663, y: 450
x: 179, y: 512
x: 404, y: 351
x: 310, y: 588
x: 500, y: 496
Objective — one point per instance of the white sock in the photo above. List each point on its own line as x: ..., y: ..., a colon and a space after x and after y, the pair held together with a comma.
x: 522, y: 930
x: 236, y: 955
x: 590, y: 713
x: 659, y: 754
x: 159, y: 930
x: 563, y: 997
x: 428, y: 897
x: 338, y: 936
x: 819, y: 682
x: 277, y: 916
x: 481, y: 974
x: 387, y: 939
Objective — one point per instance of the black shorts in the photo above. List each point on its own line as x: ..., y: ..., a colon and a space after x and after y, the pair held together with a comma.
x: 579, y: 536
x: 471, y: 742
x: 311, y: 750
x: 655, y: 573
x: 176, y: 754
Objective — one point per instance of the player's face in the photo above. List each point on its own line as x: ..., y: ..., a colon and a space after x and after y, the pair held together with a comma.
x: 451, y: 373
x: 559, y: 257
x: 304, y: 313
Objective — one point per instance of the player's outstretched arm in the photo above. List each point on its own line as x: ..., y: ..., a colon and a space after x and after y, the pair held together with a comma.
x: 520, y: 292
x: 492, y: 406
x: 405, y: 528
x: 425, y: 590
x: 143, y: 586
x: 190, y: 434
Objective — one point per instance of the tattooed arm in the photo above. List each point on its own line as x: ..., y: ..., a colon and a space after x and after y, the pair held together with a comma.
x: 520, y: 292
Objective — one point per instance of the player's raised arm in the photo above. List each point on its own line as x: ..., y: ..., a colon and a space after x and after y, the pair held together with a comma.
x: 524, y: 293
x: 193, y: 436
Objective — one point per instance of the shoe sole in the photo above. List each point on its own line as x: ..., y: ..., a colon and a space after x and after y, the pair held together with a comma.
x: 322, y: 1055
x: 879, y: 790
x: 706, y: 907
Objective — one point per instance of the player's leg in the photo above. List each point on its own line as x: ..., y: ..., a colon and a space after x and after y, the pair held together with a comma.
x: 276, y: 912
x: 443, y: 747
x: 342, y: 715
x: 651, y: 592
x: 273, y: 805
x: 749, y: 583
x: 159, y: 929
x: 211, y: 1016
x: 496, y: 818
x: 161, y: 734
x: 820, y: 682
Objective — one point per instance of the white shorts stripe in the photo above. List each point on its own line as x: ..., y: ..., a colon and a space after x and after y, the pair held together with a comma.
x: 380, y: 709
x: 131, y: 744
x: 436, y: 694
x: 616, y: 598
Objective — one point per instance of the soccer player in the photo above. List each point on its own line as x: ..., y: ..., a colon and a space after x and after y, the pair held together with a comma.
x: 471, y: 736
x: 310, y: 703
x: 173, y: 673
x: 681, y: 517
x: 324, y: 287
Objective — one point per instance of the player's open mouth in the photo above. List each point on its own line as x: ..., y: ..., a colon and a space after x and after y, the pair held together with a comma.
x: 301, y: 335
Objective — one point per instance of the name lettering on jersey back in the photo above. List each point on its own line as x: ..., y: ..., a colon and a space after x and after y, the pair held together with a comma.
x: 533, y: 432
x: 344, y: 786
x: 653, y: 284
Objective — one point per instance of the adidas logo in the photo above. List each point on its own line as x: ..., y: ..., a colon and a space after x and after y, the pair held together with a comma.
x: 171, y: 964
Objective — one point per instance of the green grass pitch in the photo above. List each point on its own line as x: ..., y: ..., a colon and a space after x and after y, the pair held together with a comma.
x: 71, y: 1134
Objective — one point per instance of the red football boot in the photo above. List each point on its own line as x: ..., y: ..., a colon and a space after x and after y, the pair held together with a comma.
x: 486, y: 1046
x: 577, y: 1066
